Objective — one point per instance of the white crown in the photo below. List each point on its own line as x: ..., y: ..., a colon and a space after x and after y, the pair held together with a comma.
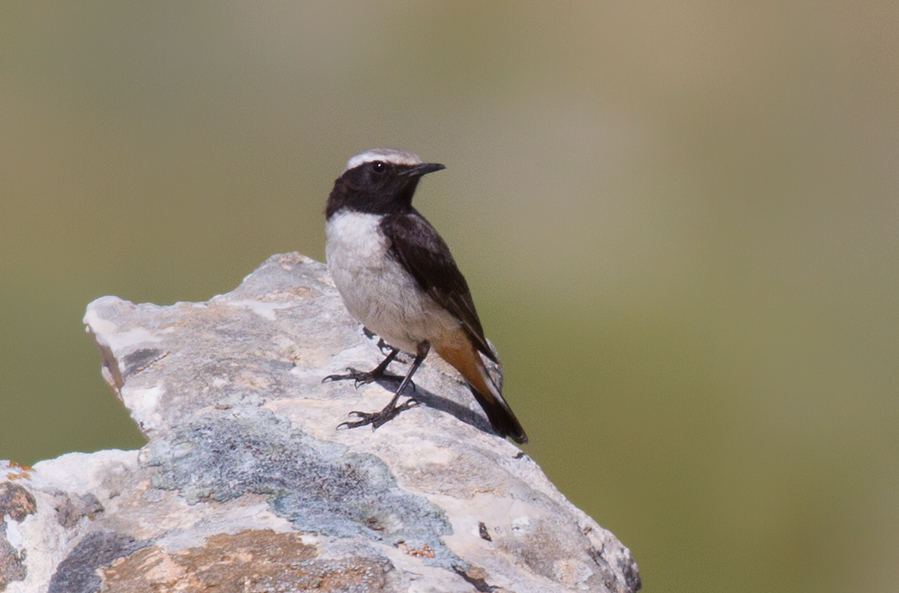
x: 387, y: 155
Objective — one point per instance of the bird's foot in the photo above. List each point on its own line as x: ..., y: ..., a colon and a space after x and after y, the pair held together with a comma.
x: 377, y: 419
x: 361, y: 377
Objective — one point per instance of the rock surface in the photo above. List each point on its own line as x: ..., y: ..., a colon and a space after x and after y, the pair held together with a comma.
x: 246, y: 484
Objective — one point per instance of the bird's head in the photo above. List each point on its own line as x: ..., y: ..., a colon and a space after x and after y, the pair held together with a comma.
x: 379, y: 181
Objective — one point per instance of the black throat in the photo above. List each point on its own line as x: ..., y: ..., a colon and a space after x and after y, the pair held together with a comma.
x: 355, y: 191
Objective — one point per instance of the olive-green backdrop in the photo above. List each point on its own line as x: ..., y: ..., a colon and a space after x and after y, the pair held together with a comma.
x: 679, y: 220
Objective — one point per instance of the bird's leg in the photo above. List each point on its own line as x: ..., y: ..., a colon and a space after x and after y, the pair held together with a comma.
x: 392, y: 410
x: 362, y: 377
x: 383, y: 346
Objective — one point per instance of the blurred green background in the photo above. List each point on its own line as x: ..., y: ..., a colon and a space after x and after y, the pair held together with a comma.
x: 680, y: 223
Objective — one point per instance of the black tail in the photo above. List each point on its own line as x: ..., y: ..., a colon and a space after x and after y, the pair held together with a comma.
x: 465, y: 358
x: 501, y: 417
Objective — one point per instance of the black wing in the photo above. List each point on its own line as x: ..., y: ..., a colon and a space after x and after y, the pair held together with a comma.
x: 418, y: 247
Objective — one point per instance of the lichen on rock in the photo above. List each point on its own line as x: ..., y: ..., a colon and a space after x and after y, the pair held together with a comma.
x: 247, y: 484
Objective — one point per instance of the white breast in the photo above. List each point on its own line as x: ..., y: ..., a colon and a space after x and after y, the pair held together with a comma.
x: 376, y: 289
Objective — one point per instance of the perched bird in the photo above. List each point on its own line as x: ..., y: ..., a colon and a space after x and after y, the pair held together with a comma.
x: 397, y: 277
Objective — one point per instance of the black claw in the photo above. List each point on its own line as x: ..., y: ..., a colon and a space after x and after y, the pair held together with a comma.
x: 348, y: 425
x: 409, y: 403
x: 364, y: 377
x: 359, y: 377
x: 377, y: 419
x: 392, y: 410
x: 330, y: 378
x: 365, y: 419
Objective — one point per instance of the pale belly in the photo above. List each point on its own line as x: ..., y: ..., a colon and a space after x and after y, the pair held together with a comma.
x: 376, y: 289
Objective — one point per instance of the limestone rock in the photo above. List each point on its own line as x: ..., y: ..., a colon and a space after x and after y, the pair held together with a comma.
x: 246, y: 484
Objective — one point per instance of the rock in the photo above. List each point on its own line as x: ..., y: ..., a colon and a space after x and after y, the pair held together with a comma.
x: 246, y: 484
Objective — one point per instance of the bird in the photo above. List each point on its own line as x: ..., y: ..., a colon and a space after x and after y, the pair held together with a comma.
x: 397, y: 278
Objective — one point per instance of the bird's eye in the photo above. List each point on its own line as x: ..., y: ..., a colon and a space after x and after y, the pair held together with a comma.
x: 379, y: 167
